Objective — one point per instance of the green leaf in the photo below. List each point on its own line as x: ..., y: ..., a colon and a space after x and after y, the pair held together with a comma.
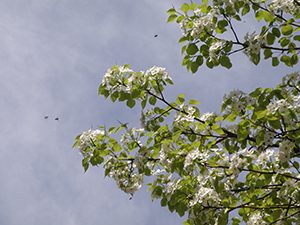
x: 180, y: 99
x: 182, y: 39
x: 275, y: 124
x: 255, y: 58
x: 209, y: 64
x: 85, y: 164
x: 163, y: 202
x: 286, y: 59
x: 259, y: 15
x: 242, y: 131
x: 276, y: 32
x: 223, y: 218
x: 143, y: 103
x: 185, y: 8
x: 152, y: 100
x: 260, y: 114
x: 192, y: 49
x: 194, y: 102
x: 171, y: 11
x: 114, y: 96
x: 246, y: 9
x: 284, y: 42
x: 294, y: 59
x: 270, y: 38
x: 275, y: 61
x: 96, y: 160
x: 225, y: 61
x: 268, y: 53
x: 287, y: 30
x: 171, y: 18
x: 297, y: 37
x: 222, y: 24
x: 130, y: 103
x: 199, y: 60
x: 194, y: 67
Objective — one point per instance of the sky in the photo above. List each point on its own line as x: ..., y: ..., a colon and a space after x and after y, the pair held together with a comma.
x: 53, y: 55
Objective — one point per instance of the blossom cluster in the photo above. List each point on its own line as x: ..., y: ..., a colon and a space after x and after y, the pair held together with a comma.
x: 122, y: 78
x: 288, y: 6
x: 208, y: 117
x: 185, y: 115
x: 205, y: 196
x: 285, y: 149
x: 254, y: 43
x: 215, y: 49
x: 256, y: 219
x: 204, y: 23
x: 238, y: 101
x: 291, y: 102
x: 88, y: 139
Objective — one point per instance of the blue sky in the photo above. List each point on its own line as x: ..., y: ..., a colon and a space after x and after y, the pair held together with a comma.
x: 53, y: 54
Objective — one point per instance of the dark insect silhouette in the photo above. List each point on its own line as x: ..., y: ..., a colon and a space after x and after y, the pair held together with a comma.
x: 56, y: 118
x: 156, y: 35
x: 46, y: 117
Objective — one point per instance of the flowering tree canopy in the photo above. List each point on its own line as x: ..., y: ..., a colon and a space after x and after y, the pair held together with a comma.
x: 240, y: 165
x: 210, y: 35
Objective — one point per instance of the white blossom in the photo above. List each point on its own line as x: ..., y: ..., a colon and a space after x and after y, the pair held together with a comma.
x: 130, y: 184
x: 291, y: 78
x: 285, y: 148
x: 171, y: 186
x: 215, y: 49
x: 280, y: 105
x: 236, y: 163
x: 88, y: 139
x: 287, y: 6
x: 205, y: 196
x: 157, y: 73
x: 187, y: 115
x: 256, y: 219
x: 265, y: 156
x: 254, y: 42
x: 269, y: 137
x: 163, y: 155
x: 233, y: 95
x: 208, y: 117
x: 205, y: 22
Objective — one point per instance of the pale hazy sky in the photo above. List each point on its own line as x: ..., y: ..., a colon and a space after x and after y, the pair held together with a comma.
x: 53, y: 54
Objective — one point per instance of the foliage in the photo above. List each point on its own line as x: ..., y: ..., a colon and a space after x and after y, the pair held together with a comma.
x: 210, y: 35
x: 240, y: 165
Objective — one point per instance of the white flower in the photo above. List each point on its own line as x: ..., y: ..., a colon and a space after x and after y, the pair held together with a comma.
x: 205, y: 22
x: 254, y: 42
x: 255, y: 48
x: 208, y: 116
x: 88, y: 139
x: 269, y: 137
x: 287, y: 6
x: 188, y: 116
x: 171, y: 186
x: 256, y: 219
x: 194, y: 154
x: 131, y: 184
x: 205, y: 196
x: 285, y: 148
x: 233, y: 95
x: 291, y: 78
x: 157, y: 73
x: 163, y: 155
x: 280, y: 105
x: 236, y: 163
x: 265, y: 156
x: 215, y: 49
